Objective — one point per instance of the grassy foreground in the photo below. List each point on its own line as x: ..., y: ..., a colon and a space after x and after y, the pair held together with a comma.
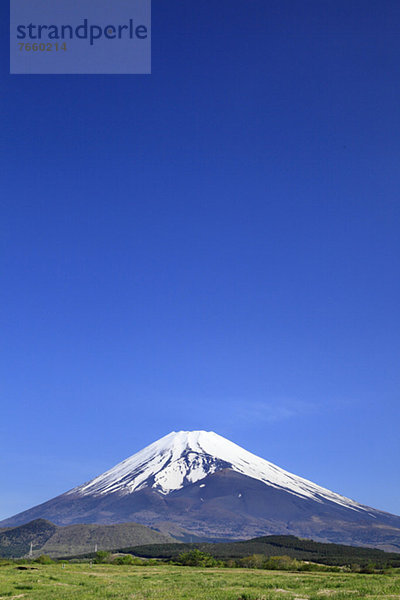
x: 165, y: 582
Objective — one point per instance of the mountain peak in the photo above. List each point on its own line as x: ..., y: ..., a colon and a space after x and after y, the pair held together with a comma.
x: 188, y: 439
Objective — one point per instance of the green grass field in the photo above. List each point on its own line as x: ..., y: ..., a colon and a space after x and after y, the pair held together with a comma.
x: 164, y: 582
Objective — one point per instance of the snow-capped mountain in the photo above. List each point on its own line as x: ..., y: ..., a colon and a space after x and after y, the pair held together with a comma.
x: 185, y: 457
x: 199, y: 483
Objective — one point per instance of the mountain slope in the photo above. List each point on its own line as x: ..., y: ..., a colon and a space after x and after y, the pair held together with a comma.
x: 47, y: 538
x: 16, y: 541
x: 214, y: 489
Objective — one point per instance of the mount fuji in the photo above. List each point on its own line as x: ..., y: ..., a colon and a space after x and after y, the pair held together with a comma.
x: 197, y: 483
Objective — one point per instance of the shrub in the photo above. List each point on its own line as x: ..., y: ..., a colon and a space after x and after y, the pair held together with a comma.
x: 44, y: 559
x: 128, y: 559
x: 255, y: 561
x: 282, y: 563
x: 102, y: 556
x: 369, y: 568
x: 195, y: 558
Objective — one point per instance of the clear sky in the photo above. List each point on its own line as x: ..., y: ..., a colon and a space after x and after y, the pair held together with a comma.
x: 214, y: 246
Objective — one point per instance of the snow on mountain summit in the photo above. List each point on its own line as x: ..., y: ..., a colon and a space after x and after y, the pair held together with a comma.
x: 185, y: 457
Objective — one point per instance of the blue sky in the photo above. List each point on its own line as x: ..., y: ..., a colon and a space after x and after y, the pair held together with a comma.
x: 214, y: 246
